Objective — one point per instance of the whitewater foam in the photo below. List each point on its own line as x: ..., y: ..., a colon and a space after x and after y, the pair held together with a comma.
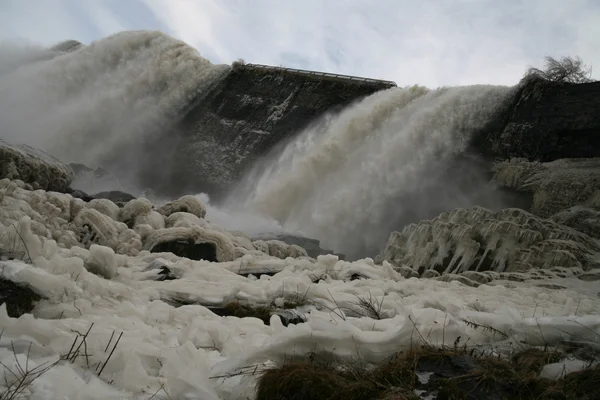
x: 99, y: 103
x: 345, y: 184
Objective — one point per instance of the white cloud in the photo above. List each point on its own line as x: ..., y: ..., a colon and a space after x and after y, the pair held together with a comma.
x: 436, y: 42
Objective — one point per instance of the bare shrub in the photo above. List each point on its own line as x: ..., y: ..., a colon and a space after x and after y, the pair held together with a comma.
x: 238, y: 63
x: 567, y: 69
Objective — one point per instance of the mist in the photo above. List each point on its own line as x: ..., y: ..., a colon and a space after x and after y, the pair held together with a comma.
x: 349, y: 179
x: 102, y: 104
x: 394, y: 158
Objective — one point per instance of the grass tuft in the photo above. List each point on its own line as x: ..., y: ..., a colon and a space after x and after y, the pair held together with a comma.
x: 452, y: 373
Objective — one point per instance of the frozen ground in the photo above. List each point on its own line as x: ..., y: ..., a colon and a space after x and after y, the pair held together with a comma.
x: 188, y: 352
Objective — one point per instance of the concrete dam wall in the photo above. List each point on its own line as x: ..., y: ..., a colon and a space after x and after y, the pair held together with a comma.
x: 244, y: 116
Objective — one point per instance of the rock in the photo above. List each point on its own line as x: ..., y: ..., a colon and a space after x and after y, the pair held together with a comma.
x: 246, y: 114
x: 430, y: 273
x: 188, y: 249
x: 312, y: 246
x: 33, y: 166
x: 476, y: 239
x: 545, y: 121
x: 19, y: 299
x: 557, y: 186
x: 163, y: 273
x: 459, y: 278
x: 584, y: 219
x: 67, y: 46
x: 408, y: 272
x: 115, y: 196
x: 187, y: 204
x: 264, y: 313
x: 195, y: 243
x: 79, y: 194
x: 590, y: 276
x: 551, y: 286
x: 478, y: 277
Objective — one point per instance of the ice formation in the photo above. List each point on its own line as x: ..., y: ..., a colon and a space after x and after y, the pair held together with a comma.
x: 370, y: 157
x: 165, y: 340
x: 188, y: 204
x: 478, y: 239
x: 21, y: 162
x: 556, y: 185
x: 128, y: 230
x: 584, y: 219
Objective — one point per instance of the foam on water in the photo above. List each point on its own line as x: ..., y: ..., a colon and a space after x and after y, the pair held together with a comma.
x: 99, y: 103
x: 350, y: 183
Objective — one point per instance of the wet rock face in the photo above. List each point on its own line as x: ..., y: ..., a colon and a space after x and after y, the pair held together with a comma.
x: 545, y: 121
x: 244, y: 117
x: 34, y: 167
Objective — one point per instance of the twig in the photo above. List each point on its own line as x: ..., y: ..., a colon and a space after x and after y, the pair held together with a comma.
x: 111, y: 353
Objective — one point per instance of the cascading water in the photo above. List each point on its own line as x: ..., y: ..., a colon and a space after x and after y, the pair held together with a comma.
x: 348, y: 181
x: 99, y: 104
x: 387, y: 160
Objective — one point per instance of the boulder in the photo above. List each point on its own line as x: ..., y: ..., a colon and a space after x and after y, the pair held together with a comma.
x: 116, y: 196
x: 19, y: 299
x: 33, y: 166
x: 312, y: 246
x: 555, y: 186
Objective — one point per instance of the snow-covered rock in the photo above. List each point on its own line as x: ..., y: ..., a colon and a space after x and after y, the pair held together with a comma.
x: 478, y: 239
x: 34, y: 167
x: 556, y: 185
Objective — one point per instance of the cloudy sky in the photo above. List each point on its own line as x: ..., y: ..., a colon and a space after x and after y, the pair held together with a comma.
x: 431, y: 42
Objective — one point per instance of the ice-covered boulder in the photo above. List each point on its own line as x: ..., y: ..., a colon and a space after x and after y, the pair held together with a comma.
x: 93, y: 227
x: 584, y: 219
x: 556, y: 185
x: 196, y: 243
x: 478, y: 239
x: 312, y: 247
x: 34, y: 167
x: 188, y: 204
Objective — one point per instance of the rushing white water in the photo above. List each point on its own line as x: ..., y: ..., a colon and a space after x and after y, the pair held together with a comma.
x: 379, y: 161
x: 103, y: 100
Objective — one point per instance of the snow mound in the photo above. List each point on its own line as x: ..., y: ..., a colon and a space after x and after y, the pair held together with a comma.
x: 33, y: 166
x: 478, y: 239
x: 556, y: 185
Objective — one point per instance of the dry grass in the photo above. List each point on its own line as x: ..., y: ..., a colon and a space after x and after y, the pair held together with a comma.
x: 16, y: 380
x: 456, y: 374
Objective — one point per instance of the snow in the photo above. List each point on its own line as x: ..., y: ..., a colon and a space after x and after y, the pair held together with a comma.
x: 191, y: 353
